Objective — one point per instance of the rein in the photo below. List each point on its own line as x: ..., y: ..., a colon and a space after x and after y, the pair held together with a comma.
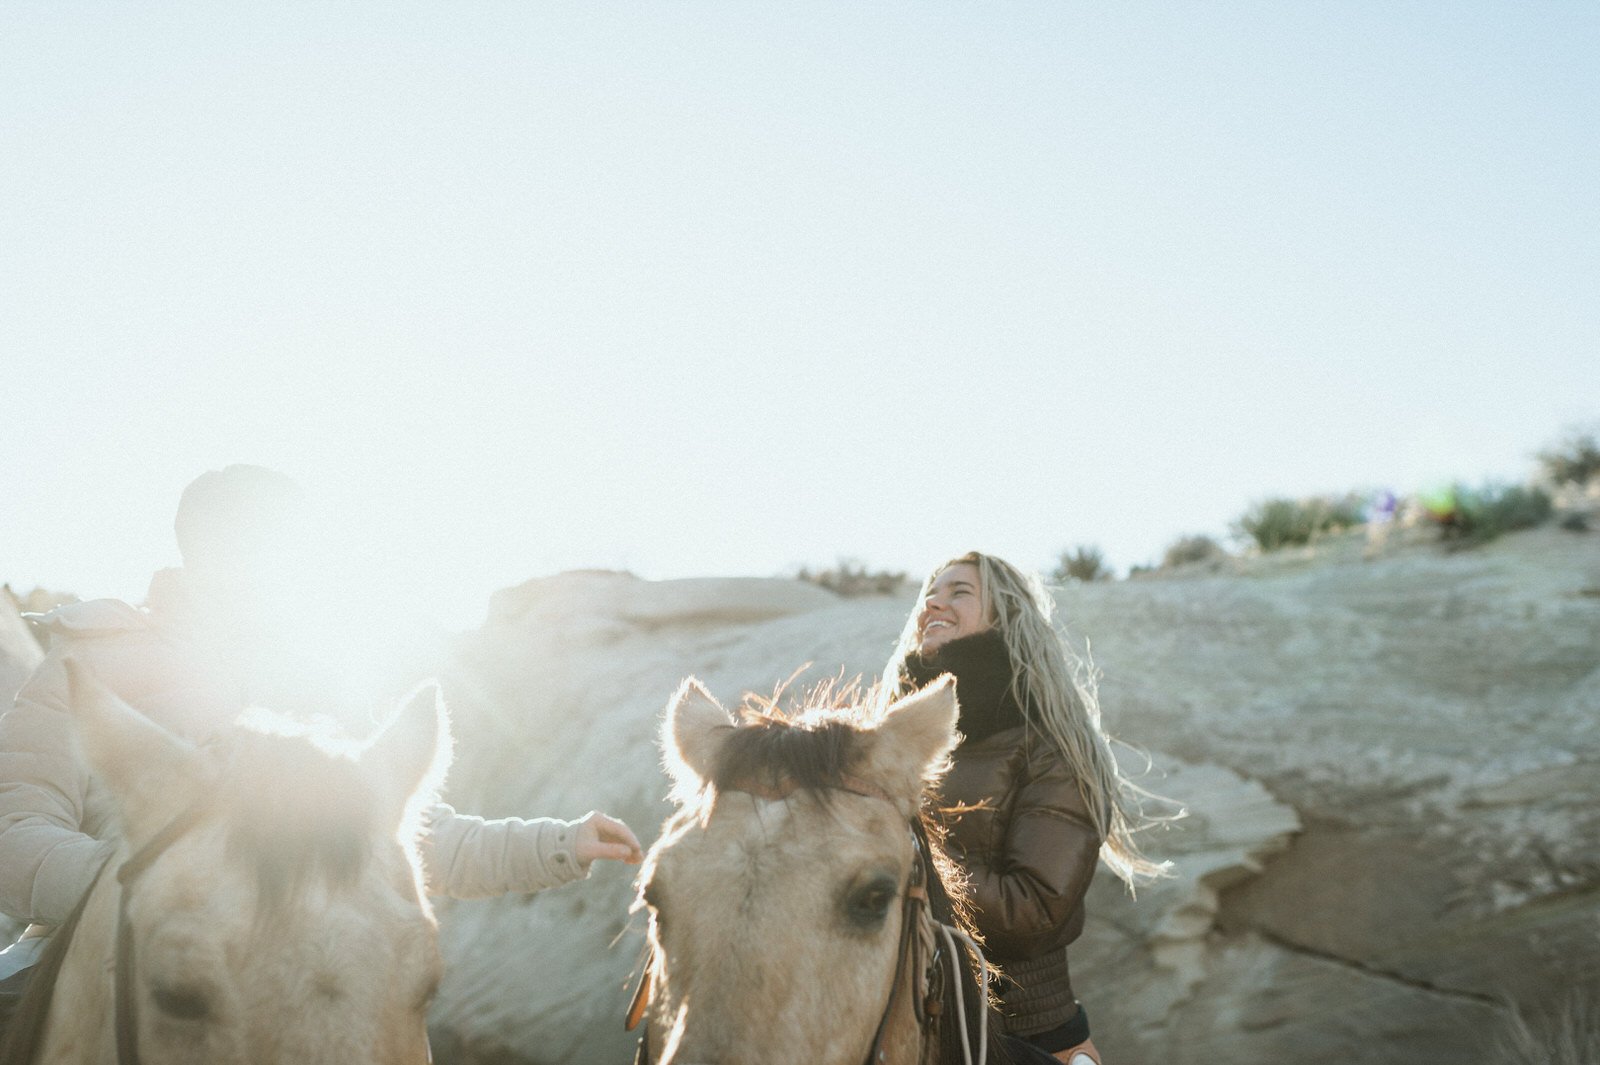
x: 127, y: 1014
x: 915, y: 916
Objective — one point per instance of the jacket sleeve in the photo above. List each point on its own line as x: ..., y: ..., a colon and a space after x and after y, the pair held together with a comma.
x: 1042, y: 869
x: 468, y: 857
x: 46, y: 861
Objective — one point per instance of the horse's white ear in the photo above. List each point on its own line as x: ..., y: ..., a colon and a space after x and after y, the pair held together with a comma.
x: 152, y: 772
x: 407, y: 761
x: 694, y: 730
x: 914, y: 739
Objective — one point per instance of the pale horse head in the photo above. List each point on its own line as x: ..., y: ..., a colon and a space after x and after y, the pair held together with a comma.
x: 775, y: 921
x: 286, y: 924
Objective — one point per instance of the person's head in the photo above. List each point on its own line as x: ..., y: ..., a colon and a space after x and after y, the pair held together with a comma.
x: 975, y: 593
x: 952, y: 606
x: 241, y: 531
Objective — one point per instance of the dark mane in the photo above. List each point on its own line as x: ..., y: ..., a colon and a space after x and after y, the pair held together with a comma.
x: 771, y: 752
x: 811, y: 745
x: 296, y: 812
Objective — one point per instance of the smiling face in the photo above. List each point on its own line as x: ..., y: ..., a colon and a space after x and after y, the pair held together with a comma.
x: 953, y: 608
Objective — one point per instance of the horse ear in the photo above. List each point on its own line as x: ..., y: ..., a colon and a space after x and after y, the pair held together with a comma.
x: 408, y: 760
x: 694, y: 730
x: 152, y: 772
x: 914, y: 739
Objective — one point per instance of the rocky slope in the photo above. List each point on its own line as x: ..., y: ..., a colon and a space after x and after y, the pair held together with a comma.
x: 1390, y: 766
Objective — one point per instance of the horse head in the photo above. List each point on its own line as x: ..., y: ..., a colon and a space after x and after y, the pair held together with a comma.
x: 266, y: 903
x: 777, y: 892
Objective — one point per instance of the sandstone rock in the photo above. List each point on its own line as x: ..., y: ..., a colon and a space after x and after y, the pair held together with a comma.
x: 1427, y: 719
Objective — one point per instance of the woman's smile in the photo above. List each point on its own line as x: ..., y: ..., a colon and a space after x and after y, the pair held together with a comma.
x: 953, y: 608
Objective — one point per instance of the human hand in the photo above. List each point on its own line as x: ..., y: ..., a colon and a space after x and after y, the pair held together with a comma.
x: 600, y: 836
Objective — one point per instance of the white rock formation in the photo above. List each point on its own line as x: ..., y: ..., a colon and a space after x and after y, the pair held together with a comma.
x: 1391, y: 767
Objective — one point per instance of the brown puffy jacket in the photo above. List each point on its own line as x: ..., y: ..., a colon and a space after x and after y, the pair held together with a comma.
x: 1022, y: 832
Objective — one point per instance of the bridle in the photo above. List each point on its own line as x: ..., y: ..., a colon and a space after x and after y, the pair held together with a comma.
x: 126, y: 1002
x: 127, y: 1013
x: 926, y: 946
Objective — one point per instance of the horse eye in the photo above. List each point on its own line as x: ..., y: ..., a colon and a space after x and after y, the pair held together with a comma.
x: 181, y: 1003
x: 866, y: 905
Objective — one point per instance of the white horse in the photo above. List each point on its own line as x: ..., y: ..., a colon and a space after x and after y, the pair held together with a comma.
x: 266, y: 903
x: 796, y: 914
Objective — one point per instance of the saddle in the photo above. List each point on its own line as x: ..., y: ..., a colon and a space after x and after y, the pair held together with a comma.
x: 26, y: 994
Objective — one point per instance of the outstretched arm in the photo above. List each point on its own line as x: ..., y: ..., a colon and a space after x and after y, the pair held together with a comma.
x: 604, y: 837
x: 468, y: 857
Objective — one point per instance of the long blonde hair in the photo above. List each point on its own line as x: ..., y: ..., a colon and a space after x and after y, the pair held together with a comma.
x: 1056, y: 690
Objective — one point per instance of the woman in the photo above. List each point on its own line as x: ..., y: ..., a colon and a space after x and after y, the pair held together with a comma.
x: 1034, y: 795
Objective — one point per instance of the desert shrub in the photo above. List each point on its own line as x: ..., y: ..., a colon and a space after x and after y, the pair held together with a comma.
x: 1566, y: 1032
x: 1275, y: 523
x: 850, y: 578
x: 1083, y: 563
x: 1574, y: 460
x: 1189, y: 549
x: 1481, y: 514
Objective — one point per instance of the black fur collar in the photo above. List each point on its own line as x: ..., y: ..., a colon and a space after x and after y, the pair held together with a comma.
x: 982, y: 668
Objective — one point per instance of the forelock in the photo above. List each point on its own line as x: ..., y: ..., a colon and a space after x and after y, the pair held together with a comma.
x: 298, y: 812
x: 810, y: 744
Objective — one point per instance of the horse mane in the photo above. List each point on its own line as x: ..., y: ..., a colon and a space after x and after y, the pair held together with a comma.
x: 813, y: 745
x: 297, y: 808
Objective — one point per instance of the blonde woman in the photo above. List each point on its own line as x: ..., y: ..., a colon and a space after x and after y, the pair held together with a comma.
x: 1034, y: 796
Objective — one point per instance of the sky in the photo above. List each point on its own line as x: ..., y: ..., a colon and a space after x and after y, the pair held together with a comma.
x: 701, y: 289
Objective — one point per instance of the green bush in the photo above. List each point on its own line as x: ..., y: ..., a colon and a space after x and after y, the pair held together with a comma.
x: 850, y: 579
x: 1280, y: 522
x: 1189, y: 549
x: 1083, y: 563
x: 1575, y: 460
x: 1482, y: 514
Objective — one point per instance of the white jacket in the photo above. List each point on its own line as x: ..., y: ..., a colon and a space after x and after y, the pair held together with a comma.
x: 55, y: 818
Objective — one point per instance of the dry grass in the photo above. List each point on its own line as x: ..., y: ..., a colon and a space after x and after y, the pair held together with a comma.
x: 1567, y: 1033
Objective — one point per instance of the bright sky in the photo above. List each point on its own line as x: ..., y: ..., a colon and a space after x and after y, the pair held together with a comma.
x: 724, y: 288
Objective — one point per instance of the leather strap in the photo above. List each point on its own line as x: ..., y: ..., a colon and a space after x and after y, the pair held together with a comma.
x: 127, y: 1013
x: 911, y: 903
x: 641, y: 994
